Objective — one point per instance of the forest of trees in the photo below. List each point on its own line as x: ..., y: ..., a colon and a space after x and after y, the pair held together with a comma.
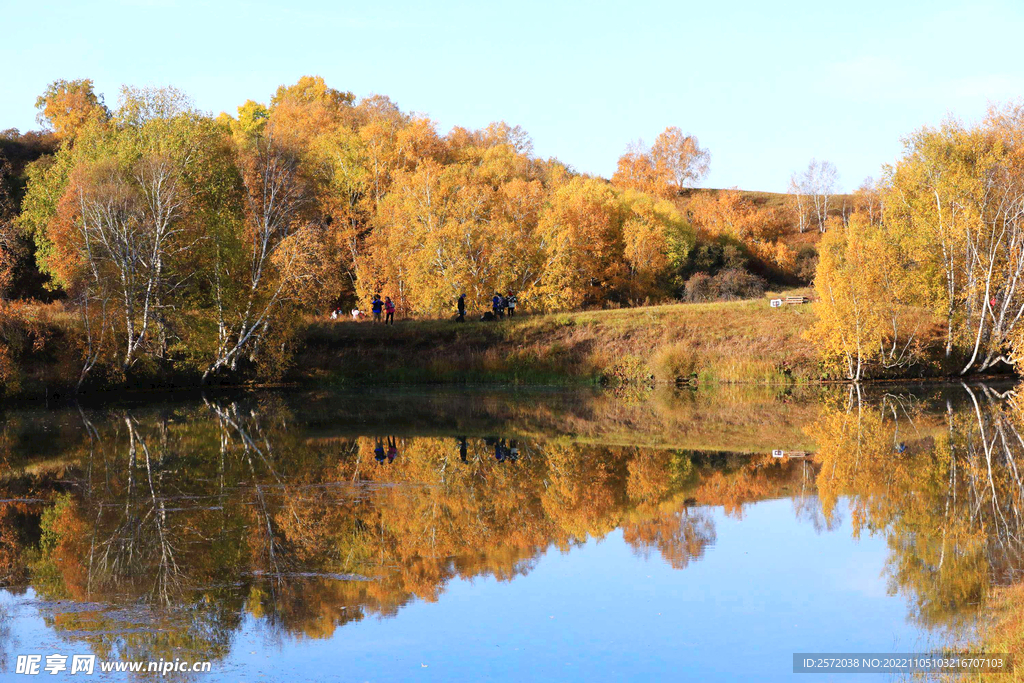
x: 165, y: 237
x: 170, y: 235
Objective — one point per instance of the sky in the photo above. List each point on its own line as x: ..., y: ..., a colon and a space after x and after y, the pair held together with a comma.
x: 764, y: 87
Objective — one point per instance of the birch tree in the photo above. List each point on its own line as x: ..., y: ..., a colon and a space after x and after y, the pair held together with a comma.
x: 800, y: 202
x: 959, y: 192
x: 261, y: 267
x: 129, y: 225
x: 816, y: 185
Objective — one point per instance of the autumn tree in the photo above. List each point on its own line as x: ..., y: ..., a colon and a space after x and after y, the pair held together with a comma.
x: 656, y: 240
x: 868, y: 199
x: 10, y: 246
x: 68, y: 106
x: 729, y: 215
x: 124, y: 219
x: 128, y: 225
x: 800, y: 203
x: 635, y: 169
x: 867, y: 295
x: 460, y: 215
x: 581, y: 237
x: 812, y: 190
x: 117, y: 216
x: 679, y: 160
x: 269, y: 260
x: 303, y: 110
x: 676, y: 161
x: 943, y: 234
x: 958, y: 195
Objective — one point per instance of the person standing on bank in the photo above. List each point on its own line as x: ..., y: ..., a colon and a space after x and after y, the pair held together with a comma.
x: 389, y: 311
x: 461, y: 306
x: 496, y: 305
x: 376, y: 305
x: 510, y: 303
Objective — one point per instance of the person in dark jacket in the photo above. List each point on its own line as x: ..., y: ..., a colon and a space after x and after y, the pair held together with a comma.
x: 376, y: 306
x: 461, y: 306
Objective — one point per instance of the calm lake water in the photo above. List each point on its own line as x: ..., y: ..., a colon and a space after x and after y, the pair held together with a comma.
x: 485, y: 535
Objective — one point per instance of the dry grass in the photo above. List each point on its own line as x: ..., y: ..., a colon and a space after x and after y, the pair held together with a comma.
x: 741, y: 341
x: 711, y: 343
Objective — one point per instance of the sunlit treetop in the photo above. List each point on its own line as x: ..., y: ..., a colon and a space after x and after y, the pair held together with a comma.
x: 311, y: 89
x: 65, y: 107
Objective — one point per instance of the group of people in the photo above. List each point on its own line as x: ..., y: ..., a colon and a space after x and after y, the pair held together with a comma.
x: 392, y: 453
x: 500, y: 307
x: 502, y: 451
x: 377, y: 307
x: 387, y: 306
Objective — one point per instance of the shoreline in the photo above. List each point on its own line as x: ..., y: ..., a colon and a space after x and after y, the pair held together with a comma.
x: 697, y: 345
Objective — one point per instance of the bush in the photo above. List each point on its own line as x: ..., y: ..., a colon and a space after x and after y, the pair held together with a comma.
x: 726, y: 286
x: 698, y: 288
x: 708, y: 257
x: 737, y: 284
x: 630, y: 369
x: 676, y: 361
x: 806, y: 264
x: 733, y: 258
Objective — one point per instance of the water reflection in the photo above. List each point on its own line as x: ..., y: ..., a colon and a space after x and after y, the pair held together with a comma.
x: 150, y: 531
x: 939, y: 478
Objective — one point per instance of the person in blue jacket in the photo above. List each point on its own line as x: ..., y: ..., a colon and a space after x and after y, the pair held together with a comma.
x: 376, y: 306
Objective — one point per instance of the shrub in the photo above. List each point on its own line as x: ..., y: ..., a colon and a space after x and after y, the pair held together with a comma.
x: 708, y: 257
x: 733, y: 257
x: 737, y: 284
x: 806, y: 264
x: 630, y: 369
x: 727, y: 285
x: 677, y: 361
x: 698, y: 288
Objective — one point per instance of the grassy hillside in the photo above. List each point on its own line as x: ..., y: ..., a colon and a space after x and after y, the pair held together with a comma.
x: 741, y: 341
x: 793, y: 239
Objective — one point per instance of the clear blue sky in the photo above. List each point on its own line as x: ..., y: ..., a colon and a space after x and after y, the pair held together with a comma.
x: 764, y: 87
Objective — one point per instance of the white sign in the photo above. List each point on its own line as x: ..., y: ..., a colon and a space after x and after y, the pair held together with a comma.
x: 778, y: 454
x: 776, y: 303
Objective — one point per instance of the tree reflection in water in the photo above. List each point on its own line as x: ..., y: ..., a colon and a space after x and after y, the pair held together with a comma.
x: 168, y: 528
x: 940, y: 479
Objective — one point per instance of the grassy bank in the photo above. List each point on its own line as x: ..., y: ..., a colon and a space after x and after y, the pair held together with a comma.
x: 736, y: 342
x: 741, y: 341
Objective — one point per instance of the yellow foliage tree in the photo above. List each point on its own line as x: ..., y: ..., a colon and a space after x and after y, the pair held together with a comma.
x: 866, y: 295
